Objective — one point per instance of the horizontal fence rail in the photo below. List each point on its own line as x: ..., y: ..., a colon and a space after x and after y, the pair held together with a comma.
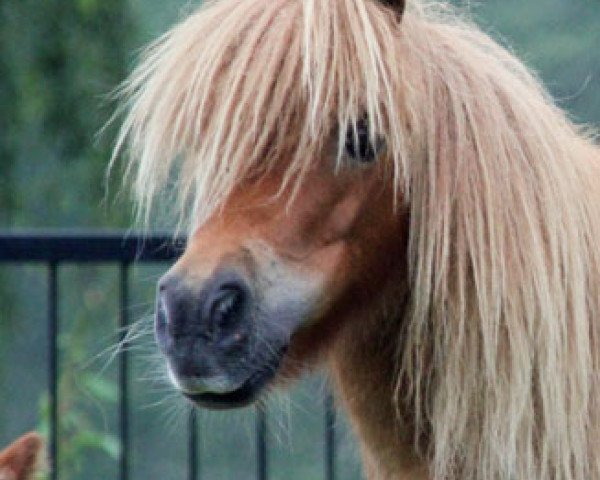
x: 56, y: 248
x: 88, y: 247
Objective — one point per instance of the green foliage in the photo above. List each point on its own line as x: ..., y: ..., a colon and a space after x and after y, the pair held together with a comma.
x: 86, y: 395
x: 78, y: 433
x: 59, y: 60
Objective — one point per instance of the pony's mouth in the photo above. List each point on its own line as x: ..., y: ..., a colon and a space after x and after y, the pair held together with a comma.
x: 245, y: 394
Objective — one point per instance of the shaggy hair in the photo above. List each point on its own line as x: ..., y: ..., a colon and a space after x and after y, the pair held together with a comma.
x: 499, y: 356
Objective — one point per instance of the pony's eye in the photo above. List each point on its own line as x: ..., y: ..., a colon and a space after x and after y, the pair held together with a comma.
x: 359, y: 145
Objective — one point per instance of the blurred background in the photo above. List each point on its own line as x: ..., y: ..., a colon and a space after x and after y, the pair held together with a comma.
x: 59, y: 61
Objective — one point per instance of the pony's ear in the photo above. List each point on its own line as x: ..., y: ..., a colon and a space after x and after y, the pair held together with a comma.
x: 20, y: 460
x: 397, y: 5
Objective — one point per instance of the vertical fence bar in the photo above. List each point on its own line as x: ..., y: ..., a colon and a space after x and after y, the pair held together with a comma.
x: 329, y: 438
x: 124, y: 372
x: 261, y: 443
x: 193, y: 446
x: 53, y: 368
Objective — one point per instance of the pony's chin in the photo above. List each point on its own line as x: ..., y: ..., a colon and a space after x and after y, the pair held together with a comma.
x: 246, y: 394
x: 242, y: 397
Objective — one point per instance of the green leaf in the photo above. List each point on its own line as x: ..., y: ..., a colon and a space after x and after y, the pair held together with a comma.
x: 101, y: 388
x: 105, y: 442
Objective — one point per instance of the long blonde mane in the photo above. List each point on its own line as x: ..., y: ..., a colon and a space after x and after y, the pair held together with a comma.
x: 499, y: 357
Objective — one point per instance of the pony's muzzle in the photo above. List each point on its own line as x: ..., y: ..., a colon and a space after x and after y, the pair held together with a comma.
x: 204, y: 333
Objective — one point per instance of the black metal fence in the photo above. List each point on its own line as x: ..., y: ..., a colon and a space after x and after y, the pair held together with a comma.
x: 55, y: 249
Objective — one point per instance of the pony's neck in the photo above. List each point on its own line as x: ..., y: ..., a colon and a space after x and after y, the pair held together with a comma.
x: 363, y: 365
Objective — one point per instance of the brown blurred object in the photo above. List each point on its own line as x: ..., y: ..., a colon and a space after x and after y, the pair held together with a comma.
x: 22, y: 459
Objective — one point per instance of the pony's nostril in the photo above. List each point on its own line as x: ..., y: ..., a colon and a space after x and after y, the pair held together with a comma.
x: 161, y: 315
x: 226, y: 305
x: 211, y: 315
x: 168, y: 282
x: 161, y: 326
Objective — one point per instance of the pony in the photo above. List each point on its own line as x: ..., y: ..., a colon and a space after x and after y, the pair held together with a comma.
x: 382, y: 190
x: 22, y: 459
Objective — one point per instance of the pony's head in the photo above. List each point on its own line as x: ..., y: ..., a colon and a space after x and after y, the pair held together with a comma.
x: 288, y: 158
x: 347, y: 168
